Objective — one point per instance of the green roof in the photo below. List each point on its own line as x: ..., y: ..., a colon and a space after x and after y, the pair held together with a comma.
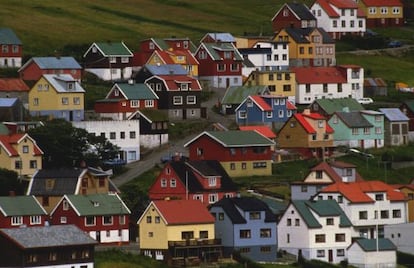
x: 137, y: 91
x: 336, y: 105
x: 25, y: 205
x: 155, y: 115
x: 239, y: 138
x: 237, y: 94
x: 371, y: 244
x: 324, y: 208
x: 214, y: 47
x: 161, y: 43
x: 410, y: 104
x: 98, y: 204
x: 114, y: 49
x: 4, y: 130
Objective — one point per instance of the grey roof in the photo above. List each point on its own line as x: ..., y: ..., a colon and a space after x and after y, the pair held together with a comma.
x: 47, y: 236
x: 301, y: 10
x: 354, y: 119
x: 59, y: 83
x: 8, y: 37
x: 394, y: 114
x: 7, y: 102
x: 56, y: 63
x: 166, y: 69
x: 222, y: 37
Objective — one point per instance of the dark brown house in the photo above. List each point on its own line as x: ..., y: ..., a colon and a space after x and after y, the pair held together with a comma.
x: 293, y: 15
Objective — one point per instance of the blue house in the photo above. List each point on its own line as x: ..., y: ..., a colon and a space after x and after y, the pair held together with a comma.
x: 265, y: 110
x: 247, y: 225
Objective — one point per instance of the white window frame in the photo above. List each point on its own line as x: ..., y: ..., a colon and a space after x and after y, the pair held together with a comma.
x: 212, y: 181
x: 124, y: 60
x: 178, y: 100
x: 94, y: 221
x: 134, y: 103
x: 212, y: 198
x: 191, y: 99
x: 16, y: 220
x: 65, y: 100
x: 163, y: 183
x: 110, y: 218
x: 242, y: 114
x: 36, y: 219
x: 184, y: 86
x: 76, y: 100
x: 112, y: 59
x: 65, y: 205
x: 149, y: 103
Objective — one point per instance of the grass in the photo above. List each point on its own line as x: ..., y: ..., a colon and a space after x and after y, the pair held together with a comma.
x: 118, y: 259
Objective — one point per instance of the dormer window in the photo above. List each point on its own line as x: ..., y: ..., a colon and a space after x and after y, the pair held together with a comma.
x: 94, y: 49
x: 227, y: 54
x: 249, y: 103
x: 95, y: 203
x: 184, y: 86
x: 71, y: 86
x: 212, y: 181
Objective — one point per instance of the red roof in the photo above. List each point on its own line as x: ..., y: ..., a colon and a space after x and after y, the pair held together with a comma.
x: 382, y: 3
x: 13, y: 84
x: 183, y: 212
x: 328, y: 8
x: 7, y: 141
x: 264, y: 130
x: 290, y: 105
x: 173, y: 81
x: 319, y: 75
x: 261, y: 103
x: 343, y: 3
x: 304, y: 123
x: 356, y: 192
x: 323, y: 166
x: 165, y: 56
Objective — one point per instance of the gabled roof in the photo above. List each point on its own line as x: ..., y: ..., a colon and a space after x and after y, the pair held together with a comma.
x: 112, y: 49
x: 262, y: 129
x: 323, y: 208
x: 353, y: 119
x: 394, y: 114
x: 235, y: 138
x: 298, y: 34
x: 25, y: 205
x: 382, y: 3
x: 302, y: 119
x: 319, y: 75
x: 220, y: 37
x: 260, y: 102
x: 178, y: 212
x: 357, y: 192
x: 47, y: 236
x: 409, y: 104
x: 167, y: 56
x: 327, y: 5
x: 53, y: 63
x: 213, y: 49
x: 237, y: 94
x: 165, y: 69
x: 96, y: 204
x: 374, y: 82
x: 8, y: 37
x: 59, y: 83
x: 381, y: 244
x: 151, y: 115
x: 300, y: 10
x: 135, y: 91
x: 7, y: 142
x: 173, y: 82
x: 332, y: 105
x: 13, y: 84
x: 233, y: 207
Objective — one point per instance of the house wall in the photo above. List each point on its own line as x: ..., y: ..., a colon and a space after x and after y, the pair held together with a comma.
x: 401, y: 236
x: 52, y: 202
x: 11, y: 59
x: 368, y: 259
x: 32, y: 72
x: 152, y: 235
x: 248, y: 168
x: 304, y: 191
x: 224, y: 228
x: 153, y: 141
x: 6, y: 222
x: 130, y: 145
x: 409, y: 193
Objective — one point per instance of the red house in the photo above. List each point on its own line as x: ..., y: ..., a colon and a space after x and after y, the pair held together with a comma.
x: 241, y: 153
x: 203, y: 180
x: 11, y: 49
x: 18, y: 211
x: 104, y: 216
x: 34, y: 68
x: 126, y: 98
x: 293, y: 15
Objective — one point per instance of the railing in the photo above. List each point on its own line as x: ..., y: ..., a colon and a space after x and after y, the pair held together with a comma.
x: 194, y: 242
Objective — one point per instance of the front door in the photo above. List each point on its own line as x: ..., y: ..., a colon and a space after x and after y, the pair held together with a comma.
x: 330, y: 255
x: 98, y: 236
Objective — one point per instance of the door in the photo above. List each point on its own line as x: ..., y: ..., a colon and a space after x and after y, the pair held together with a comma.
x: 98, y: 236
x: 330, y: 255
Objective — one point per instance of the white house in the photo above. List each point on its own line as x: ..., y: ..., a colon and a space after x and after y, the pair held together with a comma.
x: 370, y: 205
x: 123, y: 133
x: 265, y: 56
x: 343, y: 81
x: 316, y: 230
x: 339, y: 18
x: 369, y: 253
x: 401, y: 235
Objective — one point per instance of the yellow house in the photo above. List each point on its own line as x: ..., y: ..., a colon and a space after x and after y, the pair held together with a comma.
x: 301, y: 50
x: 178, y: 231
x: 382, y: 13
x: 20, y: 153
x: 182, y: 57
x: 57, y: 96
x: 408, y: 191
x: 279, y: 82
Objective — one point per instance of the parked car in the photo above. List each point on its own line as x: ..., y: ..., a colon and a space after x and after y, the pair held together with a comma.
x: 394, y: 43
x: 365, y: 100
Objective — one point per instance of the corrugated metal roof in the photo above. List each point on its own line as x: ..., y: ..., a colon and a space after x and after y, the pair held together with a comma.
x: 8, y: 37
x: 20, y: 206
x: 56, y: 63
x: 394, y: 114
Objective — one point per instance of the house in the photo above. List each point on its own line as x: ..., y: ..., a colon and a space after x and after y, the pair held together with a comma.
x: 11, y: 49
x: 265, y: 56
x: 35, y: 67
x: 408, y: 191
x: 365, y: 253
x: 50, y: 185
x: 293, y: 15
x: 109, y: 61
x: 388, y: 13
x: 218, y: 38
x: 179, y: 96
x: 375, y: 86
x: 148, y: 71
x: 153, y: 128
x: 235, y: 95
x: 363, y: 129
x: 269, y: 110
x: 178, y: 232
x: 241, y: 153
x: 248, y: 41
x: 14, y: 88
x: 400, y: 235
x: 266, y: 131
x: 57, y: 96
x: 123, y: 99
x: 21, y: 211
x: 105, y: 217
x: 395, y: 127
x: 11, y: 109
x: 307, y: 133
x: 123, y: 133
x: 203, y: 180
x: 317, y: 230
x: 278, y: 82
x: 344, y: 81
x: 20, y: 153
x: 182, y: 57
x: 407, y: 107
x: 47, y: 246
x: 322, y: 175
x: 339, y: 18
x: 220, y: 64
x: 308, y: 46
x: 246, y: 225
x: 327, y: 107
x: 21, y: 127
x: 370, y: 205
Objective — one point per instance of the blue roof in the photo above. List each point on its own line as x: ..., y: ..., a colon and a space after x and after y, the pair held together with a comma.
x: 7, y: 102
x: 166, y: 69
x: 56, y: 63
x: 222, y: 37
x: 8, y: 37
x: 394, y: 114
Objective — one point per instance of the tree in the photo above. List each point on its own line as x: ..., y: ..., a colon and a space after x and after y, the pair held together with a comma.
x: 66, y: 146
x: 10, y: 183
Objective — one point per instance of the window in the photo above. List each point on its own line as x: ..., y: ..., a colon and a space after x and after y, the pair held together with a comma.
x: 320, y: 253
x: 112, y: 59
x: 396, y: 213
x: 221, y: 67
x: 52, y: 256
x: 85, y: 254
x: 63, y: 220
x: 363, y: 215
x: 340, y: 237
x: 340, y: 199
x: 112, y: 135
x: 187, y: 235
x: 200, y: 151
x: 244, y: 165
x: 149, y: 103
x: 297, y: 222
x: 90, y: 221
x: 329, y: 221
x: 32, y: 258
x: 320, y: 238
x: 65, y: 101
x: 36, y: 102
x: 254, y: 215
x: 163, y: 183
x: 191, y: 100
x: 107, y: 220
x: 149, y: 219
x: 124, y: 59
x: 25, y: 149
x: 177, y: 100
x: 212, y: 198
x: 212, y: 181
x: 221, y: 216
x: 265, y: 232
x: 244, y: 250
x: 265, y: 249
x: 16, y: 220
x: 132, y: 134
x: 379, y: 197
x: 245, y: 234
x: 76, y: 100
x: 173, y: 183
x: 157, y: 219
x: 304, y: 188
x: 134, y: 103
x: 355, y: 131
x: 340, y: 252
x: 385, y: 214
x: 35, y: 220
x: 65, y: 205
x: 232, y: 166
x: 234, y: 67
x: 289, y: 222
x: 242, y: 114
x: 271, y: 77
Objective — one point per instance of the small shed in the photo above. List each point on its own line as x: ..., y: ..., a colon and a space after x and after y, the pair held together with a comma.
x: 369, y: 253
x: 375, y: 87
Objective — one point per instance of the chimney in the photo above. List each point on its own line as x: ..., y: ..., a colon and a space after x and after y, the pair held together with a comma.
x: 131, y: 81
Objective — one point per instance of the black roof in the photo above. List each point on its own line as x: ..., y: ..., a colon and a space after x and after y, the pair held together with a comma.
x: 301, y: 10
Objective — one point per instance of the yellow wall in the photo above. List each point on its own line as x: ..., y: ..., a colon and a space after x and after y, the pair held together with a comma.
x: 295, y: 48
x: 292, y: 135
x: 410, y: 203
x: 258, y: 78
x: 155, y: 59
x: 249, y: 171
x: 378, y: 14
x: 53, y: 200
x: 52, y: 100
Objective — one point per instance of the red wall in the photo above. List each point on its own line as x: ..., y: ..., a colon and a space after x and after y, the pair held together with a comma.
x: 5, y: 222
x: 10, y: 52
